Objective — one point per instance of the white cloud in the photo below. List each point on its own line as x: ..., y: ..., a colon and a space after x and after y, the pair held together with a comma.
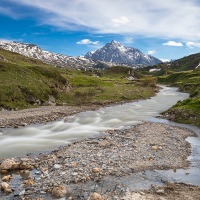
x: 119, y: 21
x: 164, y: 59
x: 165, y: 19
x: 128, y: 40
x: 9, y: 12
x: 193, y: 44
x: 151, y: 52
x: 87, y: 42
x: 173, y: 44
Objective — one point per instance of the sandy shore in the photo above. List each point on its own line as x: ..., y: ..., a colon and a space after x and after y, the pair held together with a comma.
x: 116, y: 153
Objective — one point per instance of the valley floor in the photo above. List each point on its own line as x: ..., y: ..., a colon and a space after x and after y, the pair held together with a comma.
x: 114, y: 154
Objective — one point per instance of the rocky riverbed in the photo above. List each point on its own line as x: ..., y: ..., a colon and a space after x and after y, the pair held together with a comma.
x: 115, y: 153
x: 39, y: 115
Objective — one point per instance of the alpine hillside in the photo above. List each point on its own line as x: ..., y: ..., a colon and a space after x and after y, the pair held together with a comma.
x: 115, y: 52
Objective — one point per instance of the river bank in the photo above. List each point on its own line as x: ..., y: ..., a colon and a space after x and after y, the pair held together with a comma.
x: 116, y: 153
x: 40, y: 115
x: 95, y: 149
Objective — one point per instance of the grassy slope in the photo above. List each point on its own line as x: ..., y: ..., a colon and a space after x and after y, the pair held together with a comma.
x: 23, y: 79
x: 183, y: 74
x: 187, y: 111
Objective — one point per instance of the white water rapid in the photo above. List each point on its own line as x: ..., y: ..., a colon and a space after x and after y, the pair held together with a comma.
x: 38, y: 138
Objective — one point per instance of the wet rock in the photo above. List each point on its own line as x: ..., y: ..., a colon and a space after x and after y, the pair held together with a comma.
x: 28, y: 182
x: 3, y: 171
x: 21, y: 193
x: 37, y: 172
x: 59, y: 192
x: 5, y: 187
x: 95, y: 196
x: 24, y: 124
x: 6, y: 178
x: 7, y: 164
x: 16, y: 166
x: 24, y: 165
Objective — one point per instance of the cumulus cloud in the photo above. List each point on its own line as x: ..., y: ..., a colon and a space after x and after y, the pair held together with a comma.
x: 167, y: 19
x: 193, y: 44
x: 173, y: 44
x: 151, y: 52
x: 87, y: 42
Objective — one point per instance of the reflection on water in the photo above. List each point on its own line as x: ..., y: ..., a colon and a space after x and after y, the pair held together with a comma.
x: 86, y: 124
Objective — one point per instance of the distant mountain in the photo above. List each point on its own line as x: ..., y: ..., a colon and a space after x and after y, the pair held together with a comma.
x: 58, y: 60
x: 115, y: 52
x: 111, y: 54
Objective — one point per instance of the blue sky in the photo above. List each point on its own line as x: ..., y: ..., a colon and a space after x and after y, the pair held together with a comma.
x: 165, y: 29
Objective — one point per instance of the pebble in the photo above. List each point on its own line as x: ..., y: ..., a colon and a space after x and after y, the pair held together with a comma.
x: 7, y: 164
x: 81, y: 161
x: 96, y: 170
x: 22, y: 193
x: 5, y: 187
x: 161, y: 198
x: 6, y: 178
x: 154, y: 148
x: 59, y: 192
x: 95, y: 196
x: 160, y: 191
x: 57, y: 166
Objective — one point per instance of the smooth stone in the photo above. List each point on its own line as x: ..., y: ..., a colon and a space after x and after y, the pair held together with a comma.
x: 95, y: 196
x: 59, y: 192
x: 7, y: 164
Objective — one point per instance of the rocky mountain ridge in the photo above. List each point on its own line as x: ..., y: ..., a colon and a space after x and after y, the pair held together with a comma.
x: 111, y: 54
x: 58, y: 60
x: 115, y: 52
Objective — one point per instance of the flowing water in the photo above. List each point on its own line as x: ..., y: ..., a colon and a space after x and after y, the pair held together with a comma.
x: 38, y: 138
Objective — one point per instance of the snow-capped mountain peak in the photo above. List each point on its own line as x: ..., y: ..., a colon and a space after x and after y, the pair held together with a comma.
x: 120, y: 54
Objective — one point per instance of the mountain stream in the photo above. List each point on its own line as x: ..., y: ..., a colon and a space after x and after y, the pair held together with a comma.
x: 41, y: 138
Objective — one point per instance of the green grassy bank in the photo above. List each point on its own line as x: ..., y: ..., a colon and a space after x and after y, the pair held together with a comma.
x: 26, y: 82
